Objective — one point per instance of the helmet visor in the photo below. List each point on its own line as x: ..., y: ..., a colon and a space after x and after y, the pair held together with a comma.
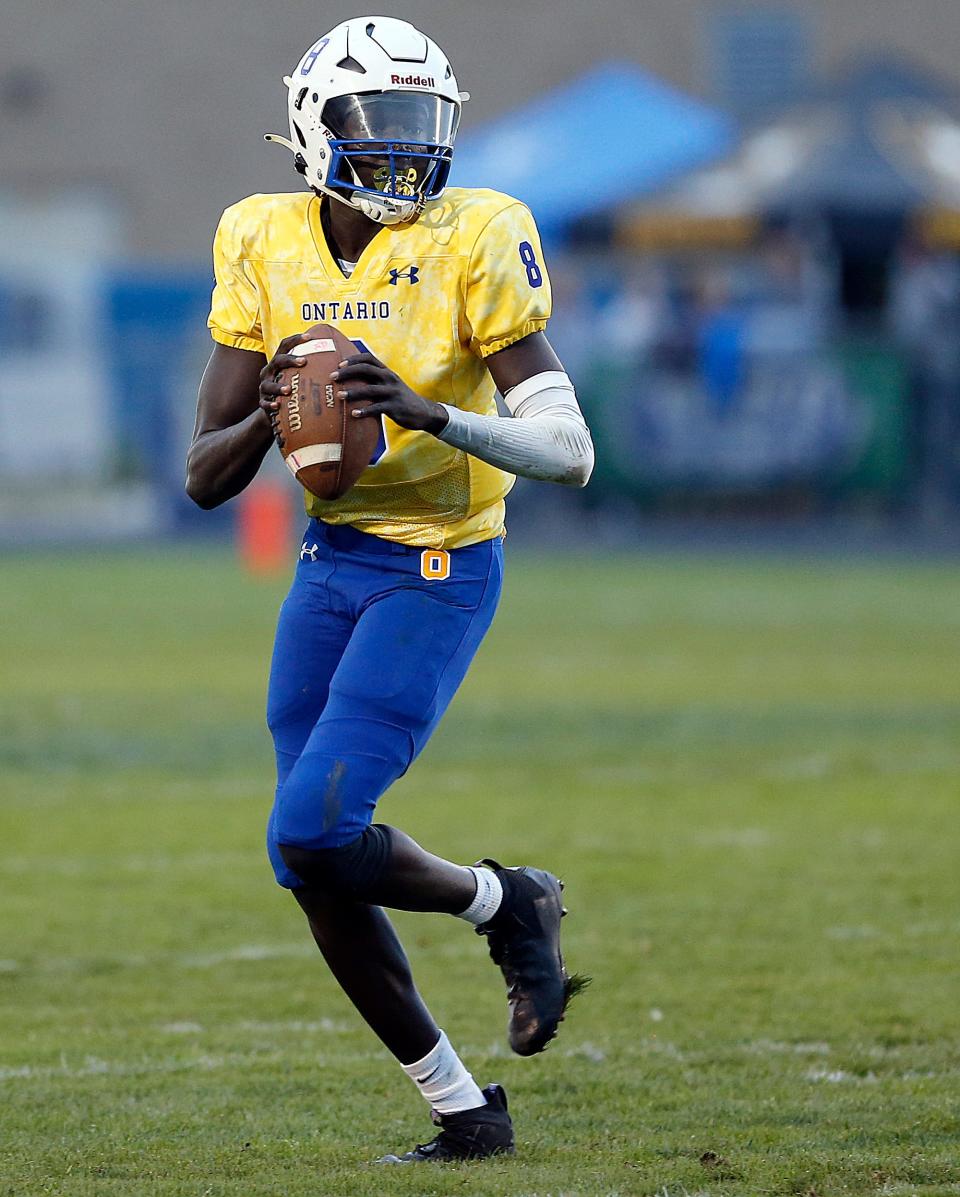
x: 398, y: 116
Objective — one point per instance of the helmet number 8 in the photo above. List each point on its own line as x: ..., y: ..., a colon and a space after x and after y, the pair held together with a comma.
x: 314, y: 54
x: 529, y: 259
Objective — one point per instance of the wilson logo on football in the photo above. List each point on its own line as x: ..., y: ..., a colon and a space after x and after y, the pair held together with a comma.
x: 293, y: 404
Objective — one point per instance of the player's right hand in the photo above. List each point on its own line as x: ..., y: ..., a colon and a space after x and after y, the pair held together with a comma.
x: 270, y: 387
x: 283, y: 359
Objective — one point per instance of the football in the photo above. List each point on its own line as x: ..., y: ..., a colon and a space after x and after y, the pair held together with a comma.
x: 325, y: 450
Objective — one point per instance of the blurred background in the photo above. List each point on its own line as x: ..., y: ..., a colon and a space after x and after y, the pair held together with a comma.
x: 751, y: 213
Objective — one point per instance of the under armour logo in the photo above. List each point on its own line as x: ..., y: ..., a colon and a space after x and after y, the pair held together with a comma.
x: 308, y: 553
x: 412, y: 274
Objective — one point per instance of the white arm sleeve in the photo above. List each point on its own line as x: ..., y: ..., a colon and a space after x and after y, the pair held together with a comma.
x: 547, y: 439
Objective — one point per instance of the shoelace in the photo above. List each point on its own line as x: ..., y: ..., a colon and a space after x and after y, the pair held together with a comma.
x: 500, y: 945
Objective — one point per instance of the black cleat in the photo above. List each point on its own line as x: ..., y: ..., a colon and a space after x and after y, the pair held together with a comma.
x: 525, y: 942
x: 468, y: 1135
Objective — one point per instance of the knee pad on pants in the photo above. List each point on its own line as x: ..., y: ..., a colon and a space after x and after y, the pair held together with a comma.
x: 329, y: 797
x: 352, y: 870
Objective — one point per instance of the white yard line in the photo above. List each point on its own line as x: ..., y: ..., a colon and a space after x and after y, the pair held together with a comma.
x: 775, y: 1047
x: 837, y: 1076
x: 240, y: 954
x: 93, y: 1066
x: 246, y: 952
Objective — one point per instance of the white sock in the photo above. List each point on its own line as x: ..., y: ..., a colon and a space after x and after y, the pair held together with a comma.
x: 487, y: 899
x: 444, y: 1082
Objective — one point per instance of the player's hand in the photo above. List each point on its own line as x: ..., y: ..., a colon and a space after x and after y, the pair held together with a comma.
x: 270, y: 388
x: 365, y: 377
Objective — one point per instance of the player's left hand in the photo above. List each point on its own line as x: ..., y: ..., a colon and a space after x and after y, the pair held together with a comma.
x: 366, y: 377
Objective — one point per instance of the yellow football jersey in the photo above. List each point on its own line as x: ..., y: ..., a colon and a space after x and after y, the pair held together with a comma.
x: 431, y: 300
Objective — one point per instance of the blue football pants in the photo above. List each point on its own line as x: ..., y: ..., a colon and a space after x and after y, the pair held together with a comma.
x: 368, y: 654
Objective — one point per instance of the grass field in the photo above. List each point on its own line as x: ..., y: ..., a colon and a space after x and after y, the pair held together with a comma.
x: 747, y: 771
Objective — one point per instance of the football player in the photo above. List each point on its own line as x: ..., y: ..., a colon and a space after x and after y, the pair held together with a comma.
x: 445, y: 294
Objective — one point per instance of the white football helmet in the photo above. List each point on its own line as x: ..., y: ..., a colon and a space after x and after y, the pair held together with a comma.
x: 374, y: 109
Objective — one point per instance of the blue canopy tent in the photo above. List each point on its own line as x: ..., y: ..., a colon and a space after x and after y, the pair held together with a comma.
x: 877, y: 144
x: 611, y: 135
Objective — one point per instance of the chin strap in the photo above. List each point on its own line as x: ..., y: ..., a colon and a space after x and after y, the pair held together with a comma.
x: 383, y: 213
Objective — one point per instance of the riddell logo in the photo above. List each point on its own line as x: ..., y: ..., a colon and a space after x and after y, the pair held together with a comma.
x: 414, y: 80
